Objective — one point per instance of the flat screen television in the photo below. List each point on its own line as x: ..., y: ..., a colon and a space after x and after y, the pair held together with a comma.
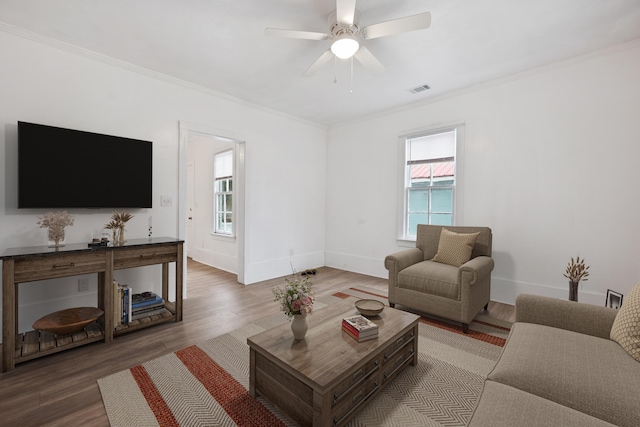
x: 65, y: 168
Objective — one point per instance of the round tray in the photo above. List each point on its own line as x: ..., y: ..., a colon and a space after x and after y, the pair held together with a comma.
x: 369, y: 307
x: 68, y: 321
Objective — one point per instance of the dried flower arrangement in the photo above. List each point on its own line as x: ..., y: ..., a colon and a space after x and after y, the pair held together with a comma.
x: 117, y: 224
x: 56, y: 223
x: 296, y: 297
x: 576, y: 271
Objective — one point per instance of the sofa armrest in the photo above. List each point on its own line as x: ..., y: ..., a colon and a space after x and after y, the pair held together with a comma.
x: 572, y: 316
x: 398, y: 261
x: 478, y: 267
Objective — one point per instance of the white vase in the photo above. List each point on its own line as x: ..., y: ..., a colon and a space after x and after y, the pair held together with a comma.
x: 299, y: 326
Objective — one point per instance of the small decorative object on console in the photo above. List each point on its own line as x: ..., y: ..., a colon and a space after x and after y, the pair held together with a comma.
x: 576, y: 271
x: 56, y: 222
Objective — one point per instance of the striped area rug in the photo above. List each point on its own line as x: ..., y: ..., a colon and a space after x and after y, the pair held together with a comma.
x: 207, y: 384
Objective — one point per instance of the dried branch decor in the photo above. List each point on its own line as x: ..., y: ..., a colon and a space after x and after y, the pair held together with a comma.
x: 56, y: 222
x: 117, y: 224
x: 576, y: 271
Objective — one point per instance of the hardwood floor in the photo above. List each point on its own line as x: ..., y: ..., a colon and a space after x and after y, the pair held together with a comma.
x: 61, y: 389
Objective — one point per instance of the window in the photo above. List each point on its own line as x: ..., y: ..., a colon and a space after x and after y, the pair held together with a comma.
x: 223, y: 193
x: 429, y: 179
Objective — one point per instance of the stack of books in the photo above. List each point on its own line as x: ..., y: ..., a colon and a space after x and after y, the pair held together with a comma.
x: 360, y: 328
x: 122, y: 304
x: 146, y: 304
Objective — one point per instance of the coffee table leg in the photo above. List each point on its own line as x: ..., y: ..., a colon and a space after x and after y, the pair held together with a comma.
x: 252, y: 373
x: 321, y: 409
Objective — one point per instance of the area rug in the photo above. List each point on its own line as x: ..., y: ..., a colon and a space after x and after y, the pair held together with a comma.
x: 207, y: 384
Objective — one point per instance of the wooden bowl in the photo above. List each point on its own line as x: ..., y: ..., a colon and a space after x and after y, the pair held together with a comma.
x: 369, y: 307
x: 68, y: 321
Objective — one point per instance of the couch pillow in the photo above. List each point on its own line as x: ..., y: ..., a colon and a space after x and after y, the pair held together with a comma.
x: 455, y: 248
x: 626, y: 326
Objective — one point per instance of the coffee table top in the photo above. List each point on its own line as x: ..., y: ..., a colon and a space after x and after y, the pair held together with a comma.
x: 327, y: 352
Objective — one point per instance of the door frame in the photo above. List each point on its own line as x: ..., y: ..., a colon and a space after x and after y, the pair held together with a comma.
x: 239, y: 184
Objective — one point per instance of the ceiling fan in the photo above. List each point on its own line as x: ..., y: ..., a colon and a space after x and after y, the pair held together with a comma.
x: 347, y: 36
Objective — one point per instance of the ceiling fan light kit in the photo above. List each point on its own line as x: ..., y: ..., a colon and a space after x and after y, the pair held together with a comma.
x: 345, y: 47
x: 347, y: 37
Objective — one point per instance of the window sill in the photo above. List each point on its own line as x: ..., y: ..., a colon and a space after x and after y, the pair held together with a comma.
x: 406, y: 242
x: 223, y: 237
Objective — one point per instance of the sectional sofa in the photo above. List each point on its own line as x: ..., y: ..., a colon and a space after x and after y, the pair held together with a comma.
x: 561, y: 368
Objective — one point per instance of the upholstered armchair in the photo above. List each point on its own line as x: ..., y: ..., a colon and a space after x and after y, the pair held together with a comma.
x: 447, y: 274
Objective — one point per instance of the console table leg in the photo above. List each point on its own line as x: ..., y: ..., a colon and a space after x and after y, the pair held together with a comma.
x: 9, y: 315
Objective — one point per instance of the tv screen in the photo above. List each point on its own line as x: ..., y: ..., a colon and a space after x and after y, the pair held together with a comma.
x: 64, y: 168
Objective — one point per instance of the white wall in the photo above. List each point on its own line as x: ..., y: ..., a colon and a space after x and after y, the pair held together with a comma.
x: 217, y: 251
x: 285, y: 162
x: 551, y: 165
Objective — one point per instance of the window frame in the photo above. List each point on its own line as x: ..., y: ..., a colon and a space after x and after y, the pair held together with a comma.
x: 216, y: 194
x: 404, y: 176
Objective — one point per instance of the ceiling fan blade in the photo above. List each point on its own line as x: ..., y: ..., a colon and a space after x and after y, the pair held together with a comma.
x: 345, y: 11
x: 295, y: 34
x: 421, y: 21
x: 324, y: 58
x: 370, y: 62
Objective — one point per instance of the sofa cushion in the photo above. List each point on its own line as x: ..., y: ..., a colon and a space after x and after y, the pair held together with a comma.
x: 626, y: 327
x: 432, y: 278
x: 504, y: 406
x: 589, y: 374
x: 455, y: 248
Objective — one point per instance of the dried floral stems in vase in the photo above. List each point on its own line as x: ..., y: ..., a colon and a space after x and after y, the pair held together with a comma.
x: 56, y: 222
x: 576, y: 271
x: 117, y: 224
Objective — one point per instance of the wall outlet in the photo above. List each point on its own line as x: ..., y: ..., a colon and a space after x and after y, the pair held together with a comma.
x: 83, y: 285
x: 166, y: 200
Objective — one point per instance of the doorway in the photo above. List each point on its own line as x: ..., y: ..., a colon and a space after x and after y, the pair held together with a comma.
x: 196, y: 217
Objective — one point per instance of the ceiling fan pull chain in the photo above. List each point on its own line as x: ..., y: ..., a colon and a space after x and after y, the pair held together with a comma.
x: 335, y: 69
x: 351, y: 88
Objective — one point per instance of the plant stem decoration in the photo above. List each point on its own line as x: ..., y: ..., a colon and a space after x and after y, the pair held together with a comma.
x: 117, y: 223
x: 576, y: 271
x: 56, y: 222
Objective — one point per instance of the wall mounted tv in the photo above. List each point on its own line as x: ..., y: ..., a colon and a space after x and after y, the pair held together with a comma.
x: 65, y: 168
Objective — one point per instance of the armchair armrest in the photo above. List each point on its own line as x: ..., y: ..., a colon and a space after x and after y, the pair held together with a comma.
x: 572, y: 316
x: 398, y: 261
x: 479, y: 267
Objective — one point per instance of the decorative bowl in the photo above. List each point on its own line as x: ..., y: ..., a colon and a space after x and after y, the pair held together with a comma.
x: 68, y: 321
x: 369, y: 307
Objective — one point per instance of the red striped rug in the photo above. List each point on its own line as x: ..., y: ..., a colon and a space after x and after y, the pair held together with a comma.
x: 207, y: 384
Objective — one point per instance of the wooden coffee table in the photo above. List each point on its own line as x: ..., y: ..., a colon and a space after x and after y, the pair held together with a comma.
x: 325, y: 379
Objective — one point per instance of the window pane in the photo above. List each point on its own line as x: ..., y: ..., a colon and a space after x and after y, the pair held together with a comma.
x: 414, y: 220
x: 230, y: 184
x: 418, y: 200
x: 220, y: 222
x: 441, y: 219
x: 442, y: 200
x: 219, y: 202
x: 443, y: 173
x: 216, y: 186
x: 229, y: 206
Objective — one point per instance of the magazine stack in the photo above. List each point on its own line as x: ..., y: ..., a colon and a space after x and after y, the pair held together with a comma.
x: 146, y: 304
x: 360, y: 328
x: 122, y: 304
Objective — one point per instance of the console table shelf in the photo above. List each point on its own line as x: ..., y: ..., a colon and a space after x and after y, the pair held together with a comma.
x: 20, y: 265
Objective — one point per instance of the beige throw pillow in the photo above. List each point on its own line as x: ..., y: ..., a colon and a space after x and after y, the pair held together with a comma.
x: 455, y: 248
x: 626, y: 326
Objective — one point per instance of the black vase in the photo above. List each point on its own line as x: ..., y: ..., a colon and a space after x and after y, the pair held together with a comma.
x: 573, y: 291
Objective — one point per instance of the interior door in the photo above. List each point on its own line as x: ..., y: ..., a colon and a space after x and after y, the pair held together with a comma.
x: 190, y: 208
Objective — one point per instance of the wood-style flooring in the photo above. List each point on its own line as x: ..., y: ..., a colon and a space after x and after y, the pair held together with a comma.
x: 61, y: 389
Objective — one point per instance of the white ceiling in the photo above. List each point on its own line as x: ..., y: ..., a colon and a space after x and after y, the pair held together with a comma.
x: 220, y: 44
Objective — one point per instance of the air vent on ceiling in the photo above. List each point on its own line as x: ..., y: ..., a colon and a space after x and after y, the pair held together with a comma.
x: 419, y: 89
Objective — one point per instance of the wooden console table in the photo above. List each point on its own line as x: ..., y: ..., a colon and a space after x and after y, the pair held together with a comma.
x: 20, y: 265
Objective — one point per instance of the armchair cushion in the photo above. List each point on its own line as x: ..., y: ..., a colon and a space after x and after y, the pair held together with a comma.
x: 626, y: 326
x: 455, y: 248
x: 431, y: 278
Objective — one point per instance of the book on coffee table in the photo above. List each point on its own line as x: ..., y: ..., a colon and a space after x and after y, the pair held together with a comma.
x: 360, y: 328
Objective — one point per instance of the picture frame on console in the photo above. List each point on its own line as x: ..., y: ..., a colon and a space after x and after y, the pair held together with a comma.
x: 614, y: 299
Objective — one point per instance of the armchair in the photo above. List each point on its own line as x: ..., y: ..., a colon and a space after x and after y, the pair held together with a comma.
x: 455, y: 292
